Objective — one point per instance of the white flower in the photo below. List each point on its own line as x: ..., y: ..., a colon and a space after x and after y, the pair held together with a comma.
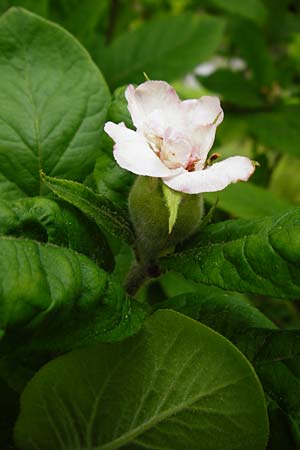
x: 172, y: 140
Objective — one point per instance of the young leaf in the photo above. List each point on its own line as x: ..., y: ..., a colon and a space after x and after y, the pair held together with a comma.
x: 45, y: 220
x: 55, y: 104
x: 259, y: 256
x: 100, y: 209
x: 159, y: 50
x: 176, y: 385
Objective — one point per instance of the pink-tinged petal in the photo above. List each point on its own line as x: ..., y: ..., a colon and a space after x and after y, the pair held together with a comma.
x: 132, y: 152
x: 153, y: 100
x: 204, y: 111
x: 213, y: 178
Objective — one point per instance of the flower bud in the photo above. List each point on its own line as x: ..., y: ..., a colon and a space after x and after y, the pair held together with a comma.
x: 150, y: 216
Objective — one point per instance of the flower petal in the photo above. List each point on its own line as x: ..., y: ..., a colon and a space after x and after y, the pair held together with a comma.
x: 204, y: 111
x: 151, y: 101
x: 202, y: 117
x: 214, y: 178
x: 132, y: 152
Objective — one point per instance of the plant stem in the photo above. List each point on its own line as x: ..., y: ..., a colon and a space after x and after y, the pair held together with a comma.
x: 135, y: 278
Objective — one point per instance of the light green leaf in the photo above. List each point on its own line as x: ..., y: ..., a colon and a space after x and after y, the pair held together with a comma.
x: 176, y: 385
x: 173, y: 200
x: 100, y: 209
x: 247, y: 200
x: 45, y: 220
x: 259, y: 256
x: 55, y: 104
x: 278, y: 129
x: 164, y: 48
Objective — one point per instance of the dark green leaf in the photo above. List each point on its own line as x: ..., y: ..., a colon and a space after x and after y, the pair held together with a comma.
x: 176, y: 385
x: 51, y: 290
x: 47, y: 221
x: 55, y: 104
x: 100, y: 209
x: 260, y: 256
x: 164, y: 48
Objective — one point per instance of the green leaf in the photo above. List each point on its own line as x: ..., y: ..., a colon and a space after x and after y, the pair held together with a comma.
x: 164, y: 48
x: 54, y: 300
x: 247, y: 200
x: 55, y: 104
x: 259, y: 256
x: 176, y: 385
x: 274, y: 353
x: 47, y: 221
x: 251, y: 9
x: 100, y: 209
x: 278, y: 129
x: 233, y: 87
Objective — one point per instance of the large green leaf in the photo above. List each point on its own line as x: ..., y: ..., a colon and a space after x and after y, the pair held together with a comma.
x: 164, y: 48
x: 59, y: 298
x: 176, y: 385
x: 274, y: 353
x: 100, y: 209
x: 55, y: 104
x: 278, y: 129
x: 247, y: 200
x: 260, y: 256
x: 45, y: 220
